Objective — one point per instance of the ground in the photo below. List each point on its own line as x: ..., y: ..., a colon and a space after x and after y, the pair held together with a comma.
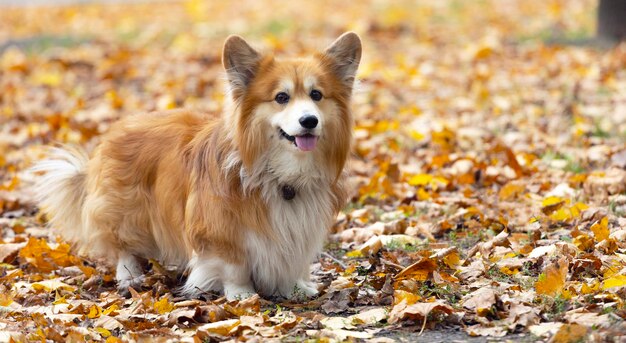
x: 488, y: 175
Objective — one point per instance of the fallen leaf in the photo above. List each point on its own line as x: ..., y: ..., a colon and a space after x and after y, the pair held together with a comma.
x: 569, y: 333
x: 614, y: 281
x: 163, y: 305
x: 484, y: 330
x: 552, y: 281
x: 481, y: 301
x: 222, y: 328
x: 418, y: 311
x: 601, y: 229
x: 52, y: 285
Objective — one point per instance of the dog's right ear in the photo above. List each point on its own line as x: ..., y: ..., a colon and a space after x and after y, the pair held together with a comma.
x: 344, y: 55
x: 240, y: 61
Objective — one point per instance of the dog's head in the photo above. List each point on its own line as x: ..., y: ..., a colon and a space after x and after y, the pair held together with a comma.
x: 292, y: 106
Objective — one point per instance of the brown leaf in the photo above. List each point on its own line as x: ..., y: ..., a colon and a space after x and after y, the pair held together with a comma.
x: 8, y: 251
x: 418, y: 311
x: 481, y: 301
x: 485, y: 330
x: 338, y: 301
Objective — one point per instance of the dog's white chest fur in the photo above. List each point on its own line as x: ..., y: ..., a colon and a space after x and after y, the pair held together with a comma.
x: 300, y: 226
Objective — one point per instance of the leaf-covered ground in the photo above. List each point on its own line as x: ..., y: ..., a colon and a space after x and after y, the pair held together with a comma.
x: 488, y: 173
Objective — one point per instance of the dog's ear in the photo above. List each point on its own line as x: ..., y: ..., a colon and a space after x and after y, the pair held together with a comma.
x: 240, y: 61
x: 345, y: 55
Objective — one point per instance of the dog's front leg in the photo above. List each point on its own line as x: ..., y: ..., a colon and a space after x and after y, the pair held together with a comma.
x: 211, y: 273
x: 129, y: 273
x: 303, y: 288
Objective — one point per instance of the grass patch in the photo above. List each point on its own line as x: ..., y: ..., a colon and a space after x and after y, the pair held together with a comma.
x: 42, y: 43
x: 554, y: 308
x: 571, y: 165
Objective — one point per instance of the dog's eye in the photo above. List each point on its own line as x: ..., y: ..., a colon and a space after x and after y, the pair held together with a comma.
x: 282, y: 98
x: 316, y: 95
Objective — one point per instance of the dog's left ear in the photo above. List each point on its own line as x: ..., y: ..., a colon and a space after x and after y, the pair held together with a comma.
x: 240, y: 61
x: 345, y: 55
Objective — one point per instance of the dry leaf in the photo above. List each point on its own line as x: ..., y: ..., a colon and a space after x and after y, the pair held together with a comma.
x: 552, y: 281
x: 569, y: 333
x: 417, y: 311
x: 481, y: 301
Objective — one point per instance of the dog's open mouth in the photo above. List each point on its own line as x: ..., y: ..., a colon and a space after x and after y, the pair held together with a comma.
x: 306, y: 142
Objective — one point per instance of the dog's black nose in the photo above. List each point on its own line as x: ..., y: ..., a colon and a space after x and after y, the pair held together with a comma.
x: 308, y: 121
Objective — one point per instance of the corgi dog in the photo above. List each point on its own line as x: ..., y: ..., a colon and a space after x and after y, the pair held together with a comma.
x: 243, y: 201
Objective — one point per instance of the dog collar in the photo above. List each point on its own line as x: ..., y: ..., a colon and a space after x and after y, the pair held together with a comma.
x: 288, y: 192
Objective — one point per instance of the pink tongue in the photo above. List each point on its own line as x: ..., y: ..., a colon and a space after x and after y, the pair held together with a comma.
x: 306, y: 143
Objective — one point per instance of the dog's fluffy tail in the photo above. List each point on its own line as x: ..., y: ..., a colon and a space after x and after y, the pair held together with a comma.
x: 60, y: 191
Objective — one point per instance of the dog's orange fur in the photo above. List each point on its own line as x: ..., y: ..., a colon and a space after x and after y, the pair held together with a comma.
x: 162, y: 186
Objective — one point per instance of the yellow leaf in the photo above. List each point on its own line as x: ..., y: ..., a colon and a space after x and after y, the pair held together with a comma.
x: 420, y: 179
x: 51, y: 285
x: 51, y: 79
x: 552, y: 280
x: 5, y: 299
x: 578, y: 208
x: 422, y: 194
x: 615, y: 281
x: 354, y: 254
x: 385, y: 126
x: 483, y: 52
x: 400, y: 296
x: 59, y: 300
x: 444, y: 138
x: 566, y: 294
x: 561, y: 214
x: 440, y: 160
x: 551, y: 200
x: 163, y: 305
x: 551, y: 204
x: 110, y: 309
x: 452, y: 259
x: 583, y: 242
x: 416, y: 135
x: 223, y: 327
x: 420, y: 270
x: 439, y: 182
x: 510, y: 191
x: 114, y: 99
x: 589, y: 289
x: 88, y: 271
x: 508, y: 271
x: 103, y: 332
x: 41, y: 334
x: 113, y: 339
x: 601, y: 229
x: 95, y: 311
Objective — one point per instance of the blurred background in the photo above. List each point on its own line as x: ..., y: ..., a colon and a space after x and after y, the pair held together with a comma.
x: 437, y: 77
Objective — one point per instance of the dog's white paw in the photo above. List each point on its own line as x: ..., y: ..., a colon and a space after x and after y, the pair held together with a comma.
x: 128, y: 274
x: 238, y: 292
x: 304, y: 290
x: 134, y: 282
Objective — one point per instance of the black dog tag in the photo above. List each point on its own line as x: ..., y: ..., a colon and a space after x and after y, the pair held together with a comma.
x: 288, y: 192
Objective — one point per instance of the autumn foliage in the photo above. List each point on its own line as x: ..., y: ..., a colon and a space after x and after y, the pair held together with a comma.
x: 488, y: 174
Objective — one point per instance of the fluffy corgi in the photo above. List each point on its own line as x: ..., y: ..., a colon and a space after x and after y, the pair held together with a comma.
x: 243, y: 201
